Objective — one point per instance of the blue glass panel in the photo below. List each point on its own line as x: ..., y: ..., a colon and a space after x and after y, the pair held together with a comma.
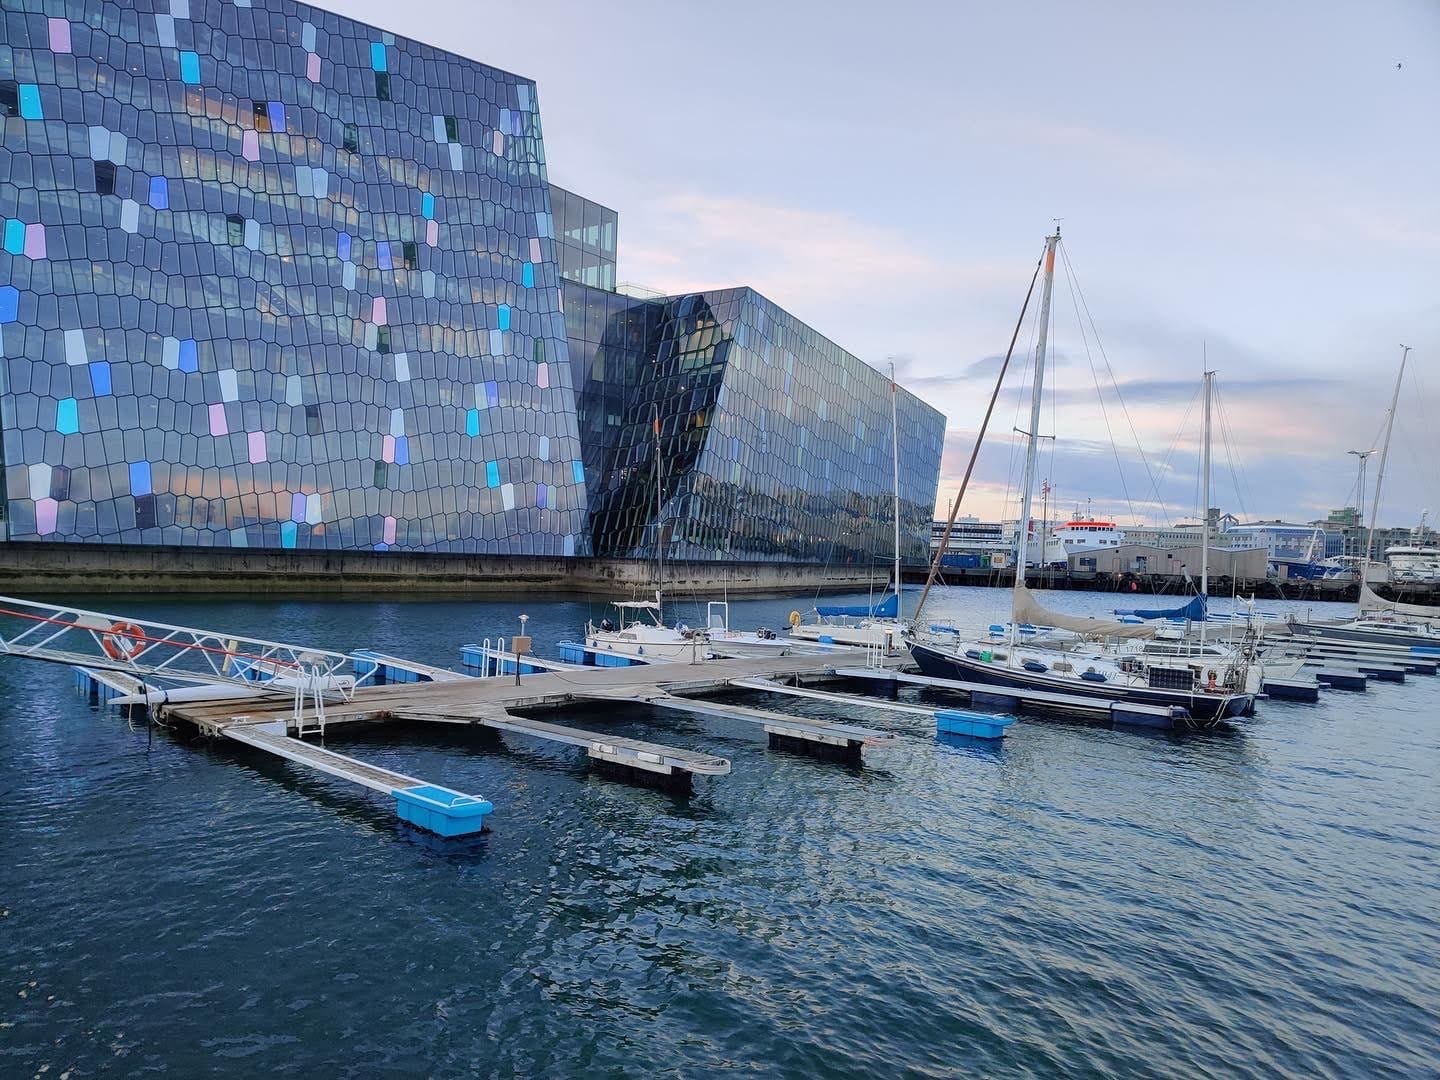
x: 527, y: 276
x: 297, y: 506
x: 189, y: 358
x: 402, y: 450
x: 342, y: 246
x: 15, y: 236
x: 492, y: 474
x: 382, y: 255
x: 577, y: 468
x: 472, y: 422
x: 100, y: 378
x: 139, y: 478
x: 276, y: 109
x: 540, y: 496
x: 30, y: 102
x: 377, y: 55
x: 492, y: 394
x: 189, y: 68
x: 67, y: 416
x: 504, y: 316
x: 9, y: 303
x: 159, y: 193
x: 427, y: 205
x: 288, y: 532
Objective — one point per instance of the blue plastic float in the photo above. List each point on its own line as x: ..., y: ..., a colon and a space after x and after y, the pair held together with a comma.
x: 975, y: 724
x: 440, y: 810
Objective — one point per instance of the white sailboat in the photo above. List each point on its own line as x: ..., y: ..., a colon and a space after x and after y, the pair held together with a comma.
x: 873, y: 625
x: 1208, y: 690
x: 640, y: 631
x: 1381, y: 621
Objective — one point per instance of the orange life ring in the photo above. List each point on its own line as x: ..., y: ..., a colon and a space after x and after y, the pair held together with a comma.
x: 123, y: 640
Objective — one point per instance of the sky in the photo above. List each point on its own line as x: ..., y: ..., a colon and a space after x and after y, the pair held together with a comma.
x: 1248, y: 187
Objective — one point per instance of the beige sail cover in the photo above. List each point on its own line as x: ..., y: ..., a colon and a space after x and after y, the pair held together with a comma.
x: 1027, y: 609
x: 1372, y: 601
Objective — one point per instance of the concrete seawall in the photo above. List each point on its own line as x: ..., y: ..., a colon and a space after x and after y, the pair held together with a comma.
x: 45, y: 569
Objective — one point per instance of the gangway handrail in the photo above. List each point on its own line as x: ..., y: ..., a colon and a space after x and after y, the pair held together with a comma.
x: 152, y: 648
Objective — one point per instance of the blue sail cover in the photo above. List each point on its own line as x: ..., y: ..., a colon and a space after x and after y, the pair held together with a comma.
x: 1194, y: 611
x: 886, y: 609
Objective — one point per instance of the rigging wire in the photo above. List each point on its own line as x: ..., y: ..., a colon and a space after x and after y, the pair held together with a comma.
x: 1074, y: 278
x: 1164, y: 467
x: 1231, y: 446
x: 1099, y: 394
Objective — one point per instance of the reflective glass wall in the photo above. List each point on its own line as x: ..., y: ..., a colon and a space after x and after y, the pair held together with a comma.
x: 773, y: 443
x: 271, y: 277
x: 585, y: 239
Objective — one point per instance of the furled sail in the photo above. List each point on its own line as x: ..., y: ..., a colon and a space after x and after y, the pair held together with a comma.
x: 886, y: 609
x: 1372, y: 601
x: 1027, y: 609
x: 1194, y: 611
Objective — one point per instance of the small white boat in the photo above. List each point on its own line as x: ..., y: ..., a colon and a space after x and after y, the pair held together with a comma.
x: 639, y: 631
x: 860, y: 626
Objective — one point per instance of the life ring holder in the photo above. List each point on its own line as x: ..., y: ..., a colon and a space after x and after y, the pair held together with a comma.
x: 123, y: 641
x: 794, y: 618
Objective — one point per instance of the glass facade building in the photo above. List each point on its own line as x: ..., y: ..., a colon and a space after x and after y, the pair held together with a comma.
x: 585, y: 239
x: 274, y: 278
x: 743, y: 432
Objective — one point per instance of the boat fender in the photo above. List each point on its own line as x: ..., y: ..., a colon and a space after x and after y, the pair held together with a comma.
x: 794, y: 618
x: 122, y: 641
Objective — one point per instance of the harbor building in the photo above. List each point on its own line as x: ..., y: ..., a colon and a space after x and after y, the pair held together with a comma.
x: 275, y: 279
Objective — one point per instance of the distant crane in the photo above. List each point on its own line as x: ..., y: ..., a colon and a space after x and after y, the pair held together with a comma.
x: 1363, y: 455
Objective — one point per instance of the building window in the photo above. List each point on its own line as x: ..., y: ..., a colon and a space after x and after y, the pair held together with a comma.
x: 105, y: 178
x: 9, y: 98
x: 235, y: 229
x: 382, y: 339
x: 261, y: 113
x: 382, y: 86
x: 381, y: 469
x: 452, y: 129
x: 411, y: 254
x: 312, y: 420
x: 352, y: 138
x: 145, y: 511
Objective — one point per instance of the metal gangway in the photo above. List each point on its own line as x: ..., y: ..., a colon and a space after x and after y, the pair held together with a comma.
x: 162, y: 654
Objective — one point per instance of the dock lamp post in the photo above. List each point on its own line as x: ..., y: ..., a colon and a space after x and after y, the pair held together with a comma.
x: 521, y: 645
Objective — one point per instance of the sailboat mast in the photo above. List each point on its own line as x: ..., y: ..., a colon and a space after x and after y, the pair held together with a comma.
x: 1037, y: 391
x: 659, y: 526
x: 1205, y: 508
x: 1380, y: 475
x: 895, y: 469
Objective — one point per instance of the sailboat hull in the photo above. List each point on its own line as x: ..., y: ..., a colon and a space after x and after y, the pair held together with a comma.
x: 1203, y: 707
x: 1372, y: 636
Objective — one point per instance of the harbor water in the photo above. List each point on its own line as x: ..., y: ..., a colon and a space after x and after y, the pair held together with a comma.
x: 1074, y: 901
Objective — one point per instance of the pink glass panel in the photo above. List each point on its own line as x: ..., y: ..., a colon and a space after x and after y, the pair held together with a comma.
x: 35, y: 241
x: 312, y: 68
x: 534, y: 249
x: 59, y: 36
x: 389, y: 530
x: 250, y: 146
x: 543, y: 376
x: 257, y: 447
x: 377, y: 311
x: 432, y: 233
x: 45, y: 511
x: 387, y: 448
x: 218, y: 426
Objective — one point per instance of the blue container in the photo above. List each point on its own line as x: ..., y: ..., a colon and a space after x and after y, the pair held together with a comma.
x: 470, y: 656
x: 976, y: 725
x: 572, y: 652
x: 440, y: 810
